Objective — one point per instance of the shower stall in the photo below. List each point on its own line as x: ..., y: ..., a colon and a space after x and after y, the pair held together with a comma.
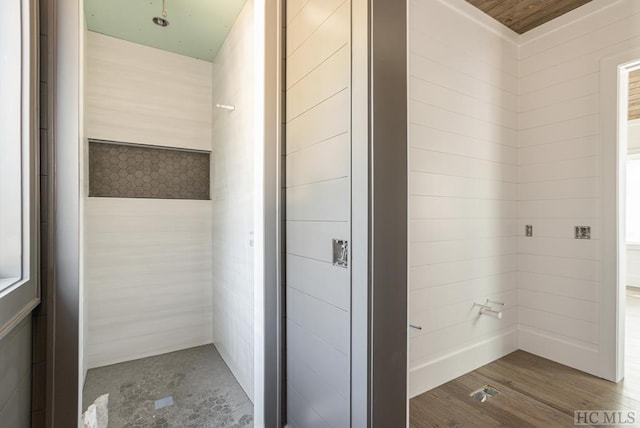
x: 169, y: 233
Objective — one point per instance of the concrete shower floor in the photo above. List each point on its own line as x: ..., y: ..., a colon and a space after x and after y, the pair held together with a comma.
x: 205, y: 393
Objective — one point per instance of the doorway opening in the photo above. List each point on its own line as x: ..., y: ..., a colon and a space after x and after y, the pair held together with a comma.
x: 172, y: 319
x: 629, y: 221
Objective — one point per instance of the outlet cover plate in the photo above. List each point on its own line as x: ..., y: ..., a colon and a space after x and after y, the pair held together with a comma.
x: 583, y: 232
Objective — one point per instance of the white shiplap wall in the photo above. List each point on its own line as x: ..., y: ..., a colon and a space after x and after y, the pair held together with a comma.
x: 560, y: 175
x: 318, y: 209
x: 232, y: 197
x: 145, y: 95
x: 463, y: 191
x: 148, y: 277
x: 147, y: 262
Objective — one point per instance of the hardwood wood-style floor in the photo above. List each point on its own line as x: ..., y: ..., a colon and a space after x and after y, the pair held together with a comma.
x: 534, y: 392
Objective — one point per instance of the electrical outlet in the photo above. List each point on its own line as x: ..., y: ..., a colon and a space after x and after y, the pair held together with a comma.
x: 583, y: 232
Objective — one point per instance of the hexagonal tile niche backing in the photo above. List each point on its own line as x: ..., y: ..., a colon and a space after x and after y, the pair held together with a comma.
x: 118, y: 170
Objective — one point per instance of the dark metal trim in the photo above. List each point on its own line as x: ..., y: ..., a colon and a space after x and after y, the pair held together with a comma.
x: 64, y: 116
x: 389, y: 209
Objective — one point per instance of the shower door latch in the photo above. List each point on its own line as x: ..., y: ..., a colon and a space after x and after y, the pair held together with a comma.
x: 340, y: 253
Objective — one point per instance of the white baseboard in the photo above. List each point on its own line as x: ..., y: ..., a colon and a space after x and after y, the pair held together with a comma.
x: 553, y: 348
x: 434, y: 373
x: 245, y: 380
x: 96, y: 361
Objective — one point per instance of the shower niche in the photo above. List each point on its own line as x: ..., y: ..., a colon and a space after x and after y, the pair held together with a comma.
x: 124, y: 170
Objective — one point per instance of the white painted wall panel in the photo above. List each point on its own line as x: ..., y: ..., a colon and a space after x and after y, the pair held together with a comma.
x: 442, y: 229
x: 559, y: 116
x: 308, y: 238
x: 426, y: 114
x: 427, y: 184
x: 300, y: 413
x: 492, y: 58
x: 465, y: 334
x: 462, y: 166
x: 563, y: 208
x: 559, y: 131
x: 318, y: 170
x: 485, y: 42
x: 477, y: 136
x: 463, y: 191
x: 329, y: 78
x: 566, y: 267
x: 323, y: 161
x: 442, y: 295
x: 328, y: 284
x: 233, y: 148
x: 559, y: 247
x: 148, y: 272
x: 442, y: 141
x: 333, y: 407
x: 319, y: 123
x: 462, y: 81
x: 431, y: 253
x: 454, y: 100
x: 465, y: 270
x: 320, y: 358
x: 558, y: 285
x: 148, y: 262
x: 321, y: 201
x: 319, y: 46
x: 447, y: 316
x: 560, y: 326
x: 560, y: 170
x: 553, y: 95
x: 139, y: 94
x: 438, y: 207
x: 306, y: 20
x: 560, y: 112
x: 327, y: 322
x: 561, y: 189
x: 570, y: 307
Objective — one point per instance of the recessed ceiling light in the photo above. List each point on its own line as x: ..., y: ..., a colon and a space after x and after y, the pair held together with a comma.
x: 162, y: 21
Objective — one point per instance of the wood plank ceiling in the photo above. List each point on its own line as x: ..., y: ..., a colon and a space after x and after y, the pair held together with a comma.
x: 523, y: 15
x: 634, y: 95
